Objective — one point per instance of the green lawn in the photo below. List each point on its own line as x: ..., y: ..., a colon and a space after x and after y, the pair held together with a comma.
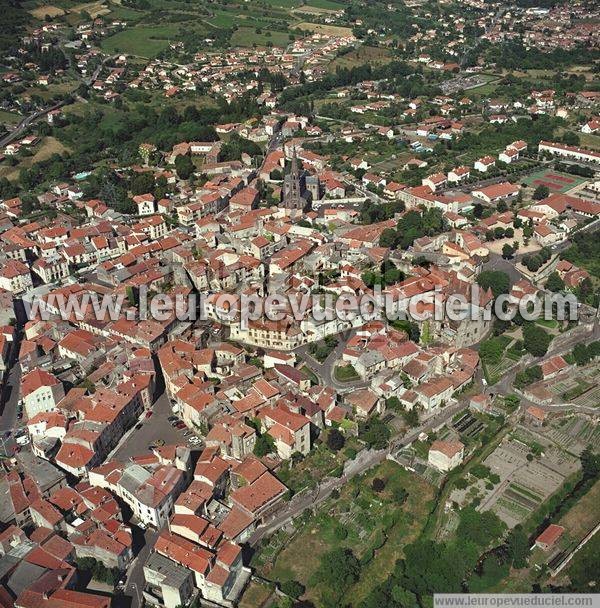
x: 224, y: 19
x: 548, y: 323
x: 346, y: 373
x: 283, y: 3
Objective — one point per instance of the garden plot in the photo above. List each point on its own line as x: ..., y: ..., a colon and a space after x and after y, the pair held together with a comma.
x: 468, y: 426
x: 526, y: 480
x: 579, y: 387
x: 574, y: 433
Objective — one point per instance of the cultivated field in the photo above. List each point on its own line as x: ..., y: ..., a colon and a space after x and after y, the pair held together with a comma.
x: 525, y: 479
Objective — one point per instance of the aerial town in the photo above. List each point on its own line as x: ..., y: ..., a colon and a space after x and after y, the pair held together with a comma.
x: 197, y: 199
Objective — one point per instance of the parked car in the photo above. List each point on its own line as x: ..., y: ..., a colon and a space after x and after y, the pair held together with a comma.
x: 148, y: 413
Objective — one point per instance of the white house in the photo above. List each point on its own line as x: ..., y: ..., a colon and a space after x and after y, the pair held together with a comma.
x: 483, y: 164
x: 41, y: 391
x: 145, y: 204
x: 446, y: 455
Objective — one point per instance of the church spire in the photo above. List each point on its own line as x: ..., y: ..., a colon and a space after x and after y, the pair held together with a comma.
x: 294, y: 169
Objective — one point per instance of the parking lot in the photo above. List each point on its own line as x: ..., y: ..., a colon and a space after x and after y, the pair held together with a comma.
x: 152, y: 429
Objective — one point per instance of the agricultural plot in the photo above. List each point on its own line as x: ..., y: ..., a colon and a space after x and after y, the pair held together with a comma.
x: 579, y: 387
x: 248, y: 36
x: 574, y: 433
x: 320, y: 28
x: 525, y: 480
x: 43, y: 151
x: 468, y: 426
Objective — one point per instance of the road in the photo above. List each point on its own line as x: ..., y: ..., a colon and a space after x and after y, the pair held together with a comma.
x: 135, y: 582
x: 9, y: 396
x: 363, y: 462
x: 325, y: 371
x: 26, y: 123
x: 561, y: 345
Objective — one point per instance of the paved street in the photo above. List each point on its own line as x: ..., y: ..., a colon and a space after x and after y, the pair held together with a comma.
x: 325, y: 371
x: 134, y: 585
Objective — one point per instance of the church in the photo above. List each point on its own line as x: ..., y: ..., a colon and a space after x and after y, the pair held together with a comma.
x: 299, y: 189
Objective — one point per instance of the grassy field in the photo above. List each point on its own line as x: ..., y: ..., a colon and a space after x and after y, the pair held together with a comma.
x: 94, y: 9
x: 255, y: 595
x: 247, y: 36
x: 52, y: 90
x: 9, y: 118
x: 584, y: 515
x: 143, y: 40
x: 43, y: 151
x: 325, y: 4
x: 365, y: 54
x: 332, y: 30
x: 589, y: 141
x: 287, y: 4
x: 320, y: 463
x: 372, y: 522
x: 48, y: 10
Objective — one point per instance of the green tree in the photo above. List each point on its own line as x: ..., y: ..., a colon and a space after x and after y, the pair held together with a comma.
x: 142, y: 183
x: 338, y: 570
x: 581, y: 354
x: 507, y: 251
x: 555, y: 283
x: 389, y: 238
x: 497, y: 280
x: 518, y: 547
x: 335, y: 440
x: 541, y: 192
x: 264, y: 445
x: 479, y: 528
x: 374, y: 432
x: 536, y: 340
x: 292, y: 588
x: 184, y: 166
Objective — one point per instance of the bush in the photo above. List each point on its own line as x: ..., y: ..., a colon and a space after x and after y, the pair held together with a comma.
x: 378, y: 485
x: 292, y: 588
x: 335, y: 440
